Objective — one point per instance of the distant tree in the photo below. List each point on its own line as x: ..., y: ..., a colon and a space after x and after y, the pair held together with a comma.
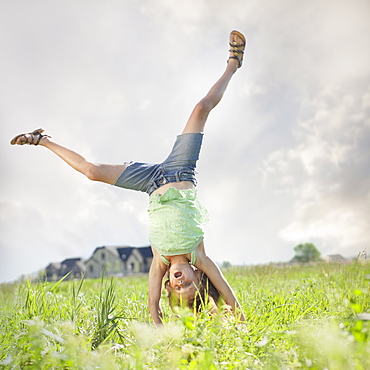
x: 226, y: 264
x: 306, y: 252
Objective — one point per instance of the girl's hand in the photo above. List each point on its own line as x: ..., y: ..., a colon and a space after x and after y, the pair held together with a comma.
x: 156, y: 273
x: 205, y: 264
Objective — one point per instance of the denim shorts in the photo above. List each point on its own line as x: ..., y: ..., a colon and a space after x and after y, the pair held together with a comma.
x: 179, y: 166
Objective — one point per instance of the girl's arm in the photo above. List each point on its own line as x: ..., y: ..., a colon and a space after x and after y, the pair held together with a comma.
x: 156, y: 273
x: 205, y: 264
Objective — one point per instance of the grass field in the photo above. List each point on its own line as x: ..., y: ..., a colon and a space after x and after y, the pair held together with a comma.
x: 299, y: 317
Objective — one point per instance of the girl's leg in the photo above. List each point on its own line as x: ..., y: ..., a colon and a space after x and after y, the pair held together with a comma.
x: 201, y: 111
x: 96, y: 172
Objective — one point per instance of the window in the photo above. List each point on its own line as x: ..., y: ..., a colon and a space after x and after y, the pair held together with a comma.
x: 103, y: 256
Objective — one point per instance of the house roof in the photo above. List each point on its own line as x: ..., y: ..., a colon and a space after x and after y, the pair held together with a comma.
x: 56, y: 265
x: 110, y: 249
x: 81, y: 266
x: 125, y: 252
x: 334, y: 257
x: 70, y: 262
x: 146, y: 252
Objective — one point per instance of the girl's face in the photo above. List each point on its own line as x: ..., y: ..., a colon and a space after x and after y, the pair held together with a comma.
x: 183, y: 280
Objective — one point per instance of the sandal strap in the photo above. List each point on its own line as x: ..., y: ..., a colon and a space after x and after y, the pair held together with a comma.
x: 30, y: 137
x: 236, y: 45
x: 235, y: 57
x: 40, y: 136
x: 237, y: 51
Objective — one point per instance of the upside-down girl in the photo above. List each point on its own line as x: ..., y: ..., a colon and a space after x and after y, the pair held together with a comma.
x: 176, y: 217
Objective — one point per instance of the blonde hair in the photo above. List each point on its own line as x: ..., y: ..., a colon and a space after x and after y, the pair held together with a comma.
x: 206, y: 296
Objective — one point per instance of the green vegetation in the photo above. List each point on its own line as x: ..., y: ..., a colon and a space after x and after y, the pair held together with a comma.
x: 299, y: 317
x: 306, y: 252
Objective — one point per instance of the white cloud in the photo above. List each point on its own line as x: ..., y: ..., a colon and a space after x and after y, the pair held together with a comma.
x: 333, y: 150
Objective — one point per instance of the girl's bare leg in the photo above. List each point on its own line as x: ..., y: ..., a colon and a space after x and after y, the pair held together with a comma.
x: 97, y: 172
x: 201, y: 111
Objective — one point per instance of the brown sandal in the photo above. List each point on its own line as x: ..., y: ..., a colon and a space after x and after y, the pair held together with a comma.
x: 29, y: 138
x: 237, y: 49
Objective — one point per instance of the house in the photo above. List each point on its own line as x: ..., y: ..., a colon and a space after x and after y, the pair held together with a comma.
x: 334, y: 258
x: 118, y: 261
x: 57, y: 270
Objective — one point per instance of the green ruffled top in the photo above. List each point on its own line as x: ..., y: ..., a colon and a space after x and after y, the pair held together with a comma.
x: 176, y: 221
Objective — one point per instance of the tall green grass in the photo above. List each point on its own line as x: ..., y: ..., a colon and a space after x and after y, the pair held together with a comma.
x: 299, y: 317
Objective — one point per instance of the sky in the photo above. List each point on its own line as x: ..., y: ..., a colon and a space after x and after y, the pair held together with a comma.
x: 286, y: 154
